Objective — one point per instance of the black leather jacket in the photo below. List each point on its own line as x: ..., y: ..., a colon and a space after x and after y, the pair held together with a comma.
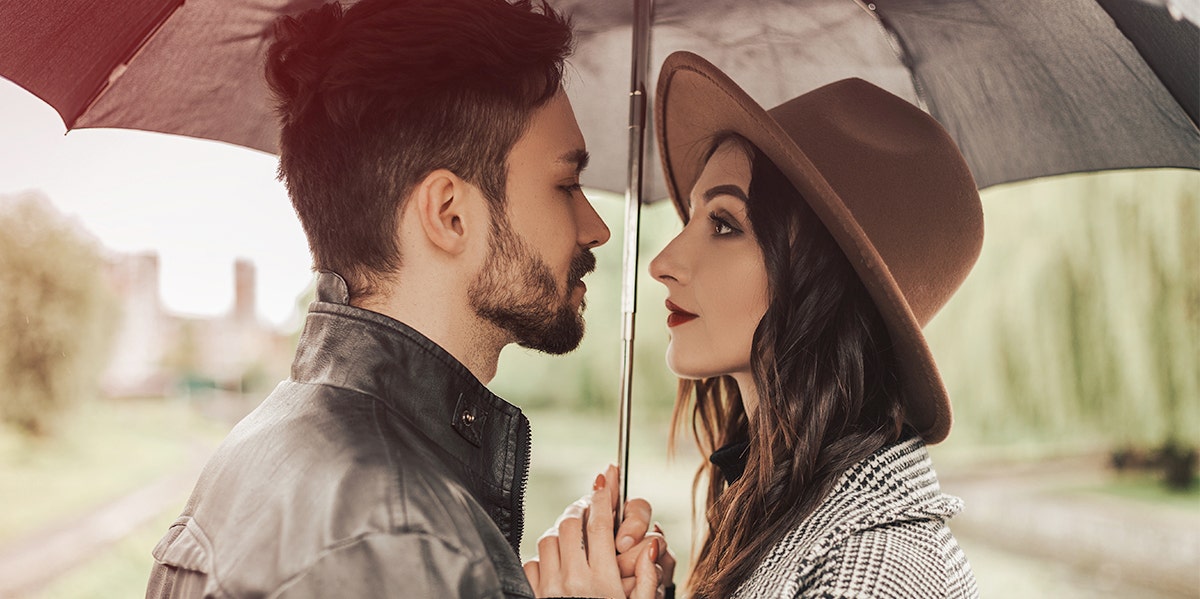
x: 381, y: 468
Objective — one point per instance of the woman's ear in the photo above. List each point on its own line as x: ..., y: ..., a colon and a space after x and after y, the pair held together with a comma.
x: 441, y: 206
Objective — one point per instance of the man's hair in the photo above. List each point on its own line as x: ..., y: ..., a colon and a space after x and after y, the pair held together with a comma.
x: 373, y: 98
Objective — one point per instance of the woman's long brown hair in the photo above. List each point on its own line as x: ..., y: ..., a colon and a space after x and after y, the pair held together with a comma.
x: 828, y: 392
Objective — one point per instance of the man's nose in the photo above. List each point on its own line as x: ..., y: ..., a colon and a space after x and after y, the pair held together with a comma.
x: 592, y: 230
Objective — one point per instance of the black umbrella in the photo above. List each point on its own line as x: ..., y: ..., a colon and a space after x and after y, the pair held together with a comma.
x: 1028, y: 88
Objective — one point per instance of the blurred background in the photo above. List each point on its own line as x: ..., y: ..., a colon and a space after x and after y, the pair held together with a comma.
x: 152, y: 289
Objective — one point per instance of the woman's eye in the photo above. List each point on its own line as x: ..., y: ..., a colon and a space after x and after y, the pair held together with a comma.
x: 572, y: 188
x: 721, y: 226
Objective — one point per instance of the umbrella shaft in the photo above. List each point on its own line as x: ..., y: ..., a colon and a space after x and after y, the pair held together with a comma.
x: 623, y: 424
x: 633, y: 210
x: 639, y: 72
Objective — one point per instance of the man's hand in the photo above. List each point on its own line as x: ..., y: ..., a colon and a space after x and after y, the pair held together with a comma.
x: 578, y: 557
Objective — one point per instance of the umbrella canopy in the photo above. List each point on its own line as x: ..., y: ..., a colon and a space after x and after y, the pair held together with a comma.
x: 1028, y: 88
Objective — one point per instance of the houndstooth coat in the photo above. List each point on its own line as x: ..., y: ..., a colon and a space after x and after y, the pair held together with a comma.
x: 881, y: 533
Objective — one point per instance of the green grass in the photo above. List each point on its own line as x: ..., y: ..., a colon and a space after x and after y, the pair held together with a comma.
x: 121, y: 571
x: 1149, y: 489
x: 570, y: 447
x: 96, y: 453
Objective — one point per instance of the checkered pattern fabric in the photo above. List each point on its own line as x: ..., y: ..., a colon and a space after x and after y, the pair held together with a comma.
x: 881, y: 533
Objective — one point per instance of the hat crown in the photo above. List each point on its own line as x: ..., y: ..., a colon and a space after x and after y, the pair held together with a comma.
x: 902, y: 179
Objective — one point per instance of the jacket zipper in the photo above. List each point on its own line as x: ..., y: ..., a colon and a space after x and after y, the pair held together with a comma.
x: 524, y: 449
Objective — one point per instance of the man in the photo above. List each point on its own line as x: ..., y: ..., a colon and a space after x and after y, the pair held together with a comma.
x: 433, y: 160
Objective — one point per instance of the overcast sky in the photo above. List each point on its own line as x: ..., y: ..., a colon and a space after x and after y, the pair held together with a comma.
x: 199, y: 204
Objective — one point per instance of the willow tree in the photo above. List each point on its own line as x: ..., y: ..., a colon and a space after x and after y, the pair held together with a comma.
x: 1082, y: 317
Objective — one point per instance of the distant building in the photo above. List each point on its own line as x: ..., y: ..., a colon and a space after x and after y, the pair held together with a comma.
x: 157, y: 353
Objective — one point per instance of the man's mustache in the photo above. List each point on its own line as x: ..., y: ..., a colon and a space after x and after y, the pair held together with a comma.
x: 583, y: 263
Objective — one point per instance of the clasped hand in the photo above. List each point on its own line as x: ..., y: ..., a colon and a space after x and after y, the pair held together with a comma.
x: 581, y: 557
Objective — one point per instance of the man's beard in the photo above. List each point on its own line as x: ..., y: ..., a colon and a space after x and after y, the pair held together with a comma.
x: 516, y: 291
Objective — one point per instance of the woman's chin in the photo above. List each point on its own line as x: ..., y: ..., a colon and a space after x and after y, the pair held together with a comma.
x: 675, y: 365
x: 679, y: 364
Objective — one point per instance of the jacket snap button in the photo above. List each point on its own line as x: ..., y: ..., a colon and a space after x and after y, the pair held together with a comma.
x: 468, y: 417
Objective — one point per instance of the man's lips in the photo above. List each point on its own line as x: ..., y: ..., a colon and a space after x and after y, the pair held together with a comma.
x: 678, y: 315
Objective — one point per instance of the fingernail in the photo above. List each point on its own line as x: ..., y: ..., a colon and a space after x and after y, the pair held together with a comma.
x: 654, y: 550
x: 624, y: 544
x: 599, y: 484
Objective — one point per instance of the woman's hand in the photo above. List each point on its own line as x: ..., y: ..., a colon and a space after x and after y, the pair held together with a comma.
x: 627, y: 562
x: 634, y: 536
x: 579, y: 558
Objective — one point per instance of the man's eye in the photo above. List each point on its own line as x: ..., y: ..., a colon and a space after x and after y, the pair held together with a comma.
x: 571, y: 189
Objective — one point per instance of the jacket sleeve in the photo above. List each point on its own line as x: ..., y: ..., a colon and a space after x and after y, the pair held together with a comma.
x: 892, y: 562
x: 395, y: 565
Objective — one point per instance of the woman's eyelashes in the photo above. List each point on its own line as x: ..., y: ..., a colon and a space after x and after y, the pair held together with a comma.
x: 722, y: 225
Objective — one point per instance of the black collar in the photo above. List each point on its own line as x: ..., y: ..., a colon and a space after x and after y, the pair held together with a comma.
x: 480, y: 435
x: 731, y: 459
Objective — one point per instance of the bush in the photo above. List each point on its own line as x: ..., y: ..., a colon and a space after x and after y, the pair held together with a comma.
x: 56, y: 313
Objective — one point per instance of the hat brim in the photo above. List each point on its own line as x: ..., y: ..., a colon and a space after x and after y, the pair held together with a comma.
x: 694, y: 102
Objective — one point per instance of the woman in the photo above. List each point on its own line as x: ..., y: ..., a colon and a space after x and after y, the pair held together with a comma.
x: 818, y: 239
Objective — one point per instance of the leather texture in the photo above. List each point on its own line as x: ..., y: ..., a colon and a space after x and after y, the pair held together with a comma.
x: 381, y: 468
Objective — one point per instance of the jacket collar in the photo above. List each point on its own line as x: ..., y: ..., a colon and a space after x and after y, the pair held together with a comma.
x: 895, y: 484
x: 483, y: 438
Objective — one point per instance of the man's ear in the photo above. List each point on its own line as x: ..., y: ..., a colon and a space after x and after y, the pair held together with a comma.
x: 441, y: 204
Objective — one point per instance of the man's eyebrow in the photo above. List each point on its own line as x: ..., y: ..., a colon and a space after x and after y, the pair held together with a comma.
x: 579, y: 157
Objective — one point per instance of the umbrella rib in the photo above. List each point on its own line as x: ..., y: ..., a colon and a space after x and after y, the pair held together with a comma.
x: 900, y: 49
x: 115, y: 73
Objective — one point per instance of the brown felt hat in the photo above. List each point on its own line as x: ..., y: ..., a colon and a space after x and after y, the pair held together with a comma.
x: 884, y: 177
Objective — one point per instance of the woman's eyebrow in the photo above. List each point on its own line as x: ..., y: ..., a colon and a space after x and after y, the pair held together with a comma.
x: 726, y: 190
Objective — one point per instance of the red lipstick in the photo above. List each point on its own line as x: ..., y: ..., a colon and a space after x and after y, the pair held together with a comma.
x: 678, y: 315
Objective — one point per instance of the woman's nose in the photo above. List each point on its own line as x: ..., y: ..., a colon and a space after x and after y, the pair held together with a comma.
x: 667, y: 264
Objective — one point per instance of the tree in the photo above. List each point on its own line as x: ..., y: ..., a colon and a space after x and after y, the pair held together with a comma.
x: 56, y: 313
x: 1081, y: 319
